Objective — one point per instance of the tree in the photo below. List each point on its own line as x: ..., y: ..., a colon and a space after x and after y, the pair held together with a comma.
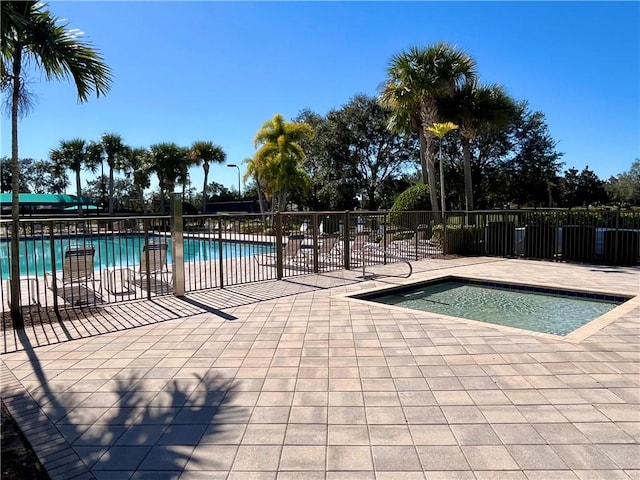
x: 416, y: 79
x: 77, y: 155
x: 116, y: 153
x: 440, y: 130
x: 475, y: 107
x: 534, y: 165
x: 36, y: 176
x: 137, y: 164
x: 363, y: 150
x: 168, y: 161
x: 205, y: 152
x: 332, y: 180
x: 277, y: 162
x: 625, y: 188
x: 30, y: 34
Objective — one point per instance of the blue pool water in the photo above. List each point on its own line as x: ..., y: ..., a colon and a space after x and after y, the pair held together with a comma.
x: 115, y: 251
x: 543, y: 311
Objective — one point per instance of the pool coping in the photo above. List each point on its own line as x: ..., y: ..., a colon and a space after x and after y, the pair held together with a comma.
x: 576, y: 336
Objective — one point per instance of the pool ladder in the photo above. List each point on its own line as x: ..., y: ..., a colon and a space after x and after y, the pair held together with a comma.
x: 387, y: 253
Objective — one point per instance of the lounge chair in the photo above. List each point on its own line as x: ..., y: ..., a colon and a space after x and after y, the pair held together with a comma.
x: 155, y: 267
x: 77, y: 270
x: 290, y: 254
x: 326, y: 244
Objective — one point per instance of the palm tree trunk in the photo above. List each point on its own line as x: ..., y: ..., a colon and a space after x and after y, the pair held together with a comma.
x: 79, y: 193
x: 468, y: 181
x: 110, y: 189
x: 205, y: 167
x: 428, y: 115
x: 423, y: 157
x: 431, y: 171
x: 16, y: 310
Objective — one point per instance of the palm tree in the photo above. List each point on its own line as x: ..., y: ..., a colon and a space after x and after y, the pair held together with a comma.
x: 76, y: 155
x: 277, y: 161
x: 168, y: 161
x: 205, y: 152
x: 475, y: 107
x: 137, y: 164
x: 30, y: 34
x: 116, y: 153
x: 440, y: 130
x: 416, y: 80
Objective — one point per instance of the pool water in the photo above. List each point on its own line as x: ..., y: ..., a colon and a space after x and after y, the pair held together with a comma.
x: 116, y: 251
x: 508, y: 305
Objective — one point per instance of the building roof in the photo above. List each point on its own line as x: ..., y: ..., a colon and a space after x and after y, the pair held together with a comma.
x: 45, y: 199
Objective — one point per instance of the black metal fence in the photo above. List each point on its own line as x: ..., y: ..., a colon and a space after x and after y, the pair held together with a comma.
x: 98, y: 260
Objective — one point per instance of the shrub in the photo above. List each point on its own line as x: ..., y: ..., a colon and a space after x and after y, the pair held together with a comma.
x: 412, y: 199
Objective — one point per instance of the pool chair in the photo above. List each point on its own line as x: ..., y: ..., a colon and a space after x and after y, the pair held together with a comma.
x: 77, y: 271
x: 290, y: 254
x: 326, y: 246
x: 155, y: 267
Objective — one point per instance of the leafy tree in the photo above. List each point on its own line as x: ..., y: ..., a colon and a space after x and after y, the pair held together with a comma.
x: 204, y: 153
x: 332, y: 180
x: 76, y: 155
x: 534, y: 167
x: 116, y: 152
x: 277, y: 162
x: 123, y: 189
x: 416, y: 80
x: 625, y: 188
x: 6, y: 178
x: 31, y: 35
x: 375, y: 154
x: 581, y: 188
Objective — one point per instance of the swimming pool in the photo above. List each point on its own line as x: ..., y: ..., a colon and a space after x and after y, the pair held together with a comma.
x: 544, y: 310
x: 116, y: 251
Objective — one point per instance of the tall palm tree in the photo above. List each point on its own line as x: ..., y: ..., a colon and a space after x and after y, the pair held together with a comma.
x: 76, y: 155
x: 205, y: 152
x: 137, y: 164
x: 474, y: 107
x: 116, y: 152
x: 168, y: 161
x: 277, y: 162
x: 30, y: 34
x: 416, y: 79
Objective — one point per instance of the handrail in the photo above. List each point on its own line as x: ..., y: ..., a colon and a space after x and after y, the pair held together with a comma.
x: 367, y: 246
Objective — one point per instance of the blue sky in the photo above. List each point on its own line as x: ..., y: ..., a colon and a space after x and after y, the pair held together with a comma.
x: 186, y: 71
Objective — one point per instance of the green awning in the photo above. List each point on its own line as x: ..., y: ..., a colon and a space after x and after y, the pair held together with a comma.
x: 41, y: 199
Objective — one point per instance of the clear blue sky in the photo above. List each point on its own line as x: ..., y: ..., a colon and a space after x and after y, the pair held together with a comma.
x: 186, y: 71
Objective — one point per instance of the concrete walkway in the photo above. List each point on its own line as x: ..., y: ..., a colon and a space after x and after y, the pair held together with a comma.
x: 293, y: 380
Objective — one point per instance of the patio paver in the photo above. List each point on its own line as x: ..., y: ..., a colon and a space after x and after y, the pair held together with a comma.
x: 315, y: 385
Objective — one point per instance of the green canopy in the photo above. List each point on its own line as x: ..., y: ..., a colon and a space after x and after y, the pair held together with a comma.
x: 45, y: 199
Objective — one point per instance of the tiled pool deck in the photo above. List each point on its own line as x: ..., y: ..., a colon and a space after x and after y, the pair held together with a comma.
x: 292, y: 380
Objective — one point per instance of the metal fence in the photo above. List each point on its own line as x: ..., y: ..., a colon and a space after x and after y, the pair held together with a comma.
x: 99, y: 260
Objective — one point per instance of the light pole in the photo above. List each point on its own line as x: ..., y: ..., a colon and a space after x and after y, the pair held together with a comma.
x: 232, y: 165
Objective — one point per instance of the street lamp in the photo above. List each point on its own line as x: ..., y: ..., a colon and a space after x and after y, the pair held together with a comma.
x: 232, y: 165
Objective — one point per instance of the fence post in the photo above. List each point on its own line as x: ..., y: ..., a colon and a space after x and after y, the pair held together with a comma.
x: 346, y: 228
x: 177, y: 229
x: 314, y: 230
x: 279, y: 243
x: 222, y: 225
x: 616, y: 241
x: 54, y: 280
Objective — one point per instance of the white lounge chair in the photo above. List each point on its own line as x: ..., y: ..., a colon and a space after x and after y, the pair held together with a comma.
x: 290, y: 254
x: 77, y: 270
x: 155, y: 266
x: 326, y: 244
